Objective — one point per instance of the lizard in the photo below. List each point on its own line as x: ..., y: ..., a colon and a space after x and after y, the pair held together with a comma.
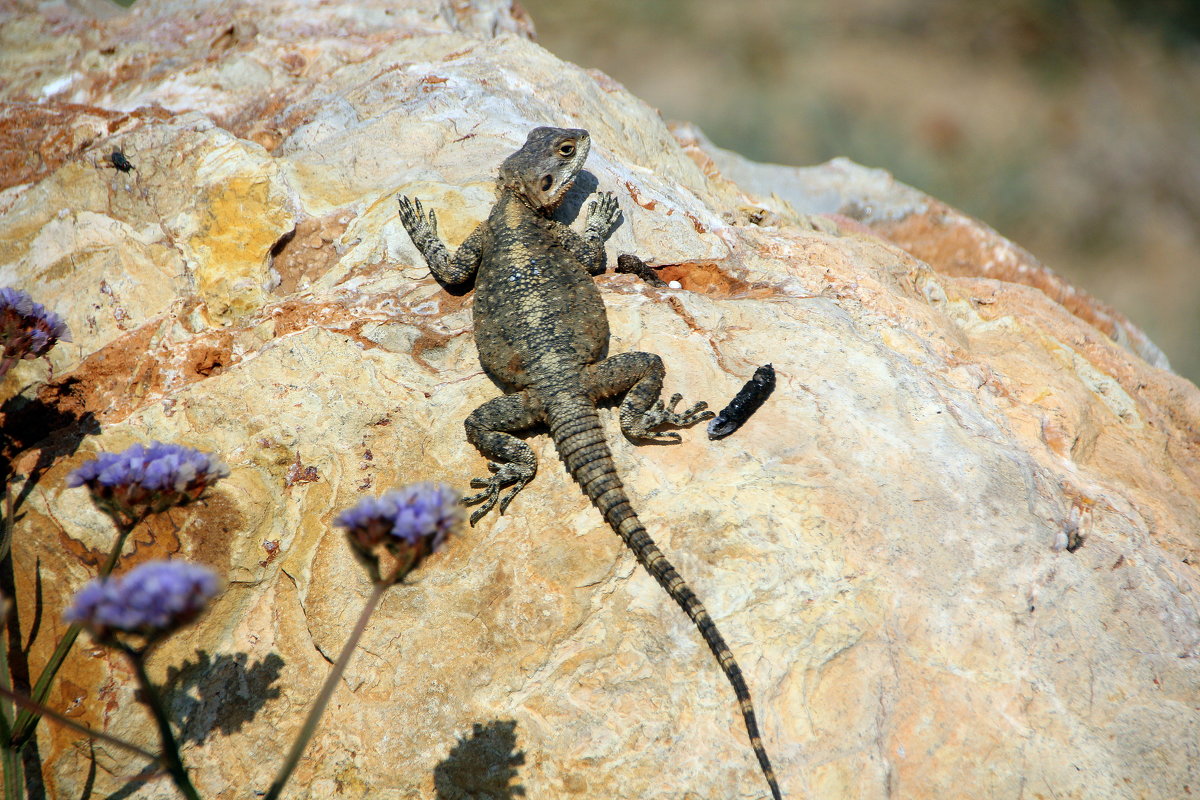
x: 541, y: 331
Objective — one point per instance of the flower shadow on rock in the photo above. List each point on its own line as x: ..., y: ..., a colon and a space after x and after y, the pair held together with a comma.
x: 221, y: 693
x: 482, y: 766
x: 52, y: 423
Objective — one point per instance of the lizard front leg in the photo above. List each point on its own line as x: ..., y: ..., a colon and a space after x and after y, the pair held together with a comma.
x: 640, y: 376
x: 510, y: 460
x: 604, y: 217
x: 446, y: 267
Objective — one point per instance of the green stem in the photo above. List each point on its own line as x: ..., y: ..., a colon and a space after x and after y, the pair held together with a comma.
x: 67, y: 722
x: 26, y: 720
x: 14, y: 786
x: 5, y: 675
x: 314, y: 714
x: 10, y: 759
x: 170, y: 748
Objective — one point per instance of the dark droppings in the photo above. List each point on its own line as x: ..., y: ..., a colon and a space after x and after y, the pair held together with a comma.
x: 744, y: 403
x: 633, y: 265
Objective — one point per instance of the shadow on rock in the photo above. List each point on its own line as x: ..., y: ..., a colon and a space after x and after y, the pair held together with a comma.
x: 580, y: 192
x: 52, y: 424
x: 482, y: 766
x: 132, y: 786
x: 221, y: 693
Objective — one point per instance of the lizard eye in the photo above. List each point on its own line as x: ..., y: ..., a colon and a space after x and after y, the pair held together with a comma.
x: 547, y: 182
x: 566, y: 149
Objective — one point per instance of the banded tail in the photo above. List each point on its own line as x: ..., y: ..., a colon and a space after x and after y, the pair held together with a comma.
x: 575, y: 428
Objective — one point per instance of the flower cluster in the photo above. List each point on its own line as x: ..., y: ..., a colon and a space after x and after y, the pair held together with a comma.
x: 149, y: 601
x: 406, y: 523
x: 146, y: 480
x: 27, y: 329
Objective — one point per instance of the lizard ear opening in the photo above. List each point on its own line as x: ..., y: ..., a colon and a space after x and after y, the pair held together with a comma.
x: 547, y: 182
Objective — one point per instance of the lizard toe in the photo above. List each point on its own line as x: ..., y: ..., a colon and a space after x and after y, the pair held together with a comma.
x: 604, y: 214
x: 508, y: 498
x: 479, y: 512
x: 692, y: 415
x: 504, y: 474
x: 665, y: 414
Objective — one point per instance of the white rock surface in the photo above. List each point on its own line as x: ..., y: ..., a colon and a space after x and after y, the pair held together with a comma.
x: 954, y: 553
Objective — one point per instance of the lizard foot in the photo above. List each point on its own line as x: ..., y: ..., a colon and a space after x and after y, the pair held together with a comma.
x: 517, y: 474
x: 665, y: 414
x: 604, y: 215
x: 412, y: 216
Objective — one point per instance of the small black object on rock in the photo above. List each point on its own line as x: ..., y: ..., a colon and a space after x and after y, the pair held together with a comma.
x: 744, y: 403
x: 633, y: 265
x: 119, y: 161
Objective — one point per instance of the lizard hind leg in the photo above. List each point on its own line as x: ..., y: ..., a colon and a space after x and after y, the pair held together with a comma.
x: 640, y: 377
x: 510, y: 460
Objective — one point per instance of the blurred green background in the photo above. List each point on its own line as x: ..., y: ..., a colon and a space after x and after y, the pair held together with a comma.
x: 1071, y: 127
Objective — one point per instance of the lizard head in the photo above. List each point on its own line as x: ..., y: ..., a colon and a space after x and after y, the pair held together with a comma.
x: 542, y: 171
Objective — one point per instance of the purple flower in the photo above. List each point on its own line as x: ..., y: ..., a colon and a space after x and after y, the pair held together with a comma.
x: 146, y: 480
x: 408, y: 523
x: 27, y: 329
x: 149, y: 601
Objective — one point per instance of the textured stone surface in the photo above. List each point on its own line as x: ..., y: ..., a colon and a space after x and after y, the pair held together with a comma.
x: 954, y: 552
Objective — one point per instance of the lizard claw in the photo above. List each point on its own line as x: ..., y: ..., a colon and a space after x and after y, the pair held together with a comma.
x: 604, y: 215
x: 665, y: 414
x: 412, y: 216
x: 517, y: 474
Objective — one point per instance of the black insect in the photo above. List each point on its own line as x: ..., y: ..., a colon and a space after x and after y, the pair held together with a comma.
x: 119, y: 161
x: 744, y: 403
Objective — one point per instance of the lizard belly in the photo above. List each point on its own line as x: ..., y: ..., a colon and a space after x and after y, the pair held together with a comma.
x: 540, y: 310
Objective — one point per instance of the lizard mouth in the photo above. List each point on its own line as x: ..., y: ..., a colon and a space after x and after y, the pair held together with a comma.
x: 551, y: 196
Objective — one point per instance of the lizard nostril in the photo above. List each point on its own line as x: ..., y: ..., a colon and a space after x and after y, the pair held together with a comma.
x: 547, y: 182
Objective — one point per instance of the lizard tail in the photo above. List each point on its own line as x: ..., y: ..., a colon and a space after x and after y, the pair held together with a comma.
x: 575, y: 427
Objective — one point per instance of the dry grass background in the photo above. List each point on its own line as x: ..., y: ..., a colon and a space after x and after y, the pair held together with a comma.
x: 1072, y: 127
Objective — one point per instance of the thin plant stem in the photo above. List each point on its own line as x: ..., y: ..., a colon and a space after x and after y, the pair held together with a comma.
x: 5, y: 676
x: 318, y: 708
x: 67, y: 722
x: 26, y: 720
x: 170, y: 748
x: 9, y: 512
x: 14, y: 787
x: 10, y: 759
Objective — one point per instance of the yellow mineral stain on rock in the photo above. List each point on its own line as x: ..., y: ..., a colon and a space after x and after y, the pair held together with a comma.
x: 244, y: 217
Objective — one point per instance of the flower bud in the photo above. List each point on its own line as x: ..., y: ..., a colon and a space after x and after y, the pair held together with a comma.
x: 149, y: 601
x: 405, y: 524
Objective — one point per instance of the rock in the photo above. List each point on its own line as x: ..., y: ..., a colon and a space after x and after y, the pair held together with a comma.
x: 954, y: 552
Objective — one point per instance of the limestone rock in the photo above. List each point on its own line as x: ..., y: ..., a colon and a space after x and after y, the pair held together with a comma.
x: 954, y: 553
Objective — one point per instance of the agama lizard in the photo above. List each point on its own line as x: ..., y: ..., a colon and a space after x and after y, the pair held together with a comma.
x: 542, y: 334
